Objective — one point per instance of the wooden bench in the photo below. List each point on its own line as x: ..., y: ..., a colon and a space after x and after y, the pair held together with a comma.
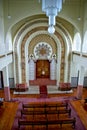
x: 57, y: 105
x: 45, y: 105
x: 22, y: 122
x: 63, y: 121
x: 26, y: 112
x: 33, y: 106
x: 61, y: 111
x: 46, y: 112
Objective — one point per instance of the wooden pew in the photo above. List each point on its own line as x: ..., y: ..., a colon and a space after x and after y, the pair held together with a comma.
x: 27, y: 112
x: 45, y: 105
x: 57, y: 105
x: 46, y: 112
x: 22, y: 122
x: 33, y: 106
x: 60, y: 111
x: 62, y: 121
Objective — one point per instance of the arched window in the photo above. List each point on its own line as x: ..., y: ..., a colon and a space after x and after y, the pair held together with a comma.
x: 84, y: 48
x: 77, y: 43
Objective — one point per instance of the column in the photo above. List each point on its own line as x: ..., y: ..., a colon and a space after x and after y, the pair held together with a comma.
x: 6, y: 84
x: 80, y: 83
x: 53, y: 70
x: 31, y: 70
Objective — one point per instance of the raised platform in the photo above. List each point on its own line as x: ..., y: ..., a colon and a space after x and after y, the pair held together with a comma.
x: 42, y: 81
x: 51, y: 89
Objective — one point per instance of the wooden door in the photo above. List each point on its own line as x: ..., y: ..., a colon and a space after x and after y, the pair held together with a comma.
x: 42, y: 69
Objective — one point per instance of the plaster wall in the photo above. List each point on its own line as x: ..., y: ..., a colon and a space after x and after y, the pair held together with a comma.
x: 2, y: 45
x: 19, y: 10
x: 85, y: 19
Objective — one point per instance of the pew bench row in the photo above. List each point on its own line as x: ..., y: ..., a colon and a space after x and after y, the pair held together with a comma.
x: 45, y: 105
x: 22, y: 122
x: 46, y: 112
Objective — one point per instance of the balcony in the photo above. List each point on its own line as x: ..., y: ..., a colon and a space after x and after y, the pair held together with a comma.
x: 5, y: 60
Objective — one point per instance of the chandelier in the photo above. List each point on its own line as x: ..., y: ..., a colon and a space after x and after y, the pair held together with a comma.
x: 52, y: 8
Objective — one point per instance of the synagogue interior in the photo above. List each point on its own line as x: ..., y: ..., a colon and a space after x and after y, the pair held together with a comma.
x: 43, y: 60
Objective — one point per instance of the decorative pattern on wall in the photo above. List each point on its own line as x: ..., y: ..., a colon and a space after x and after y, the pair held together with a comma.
x: 42, y: 51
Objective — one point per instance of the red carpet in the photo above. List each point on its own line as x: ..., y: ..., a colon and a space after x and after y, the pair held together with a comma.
x: 43, y: 91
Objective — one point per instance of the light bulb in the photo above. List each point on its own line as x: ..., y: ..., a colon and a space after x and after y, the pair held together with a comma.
x: 51, y: 29
x: 9, y: 16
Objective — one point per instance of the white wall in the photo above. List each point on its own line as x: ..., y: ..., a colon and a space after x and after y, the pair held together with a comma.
x: 2, y: 45
x: 79, y: 63
x: 5, y: 61
x: 85, y: 18
x: 11, y: 70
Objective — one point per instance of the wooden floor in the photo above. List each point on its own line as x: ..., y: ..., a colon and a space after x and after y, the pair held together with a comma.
x: 8, y: 110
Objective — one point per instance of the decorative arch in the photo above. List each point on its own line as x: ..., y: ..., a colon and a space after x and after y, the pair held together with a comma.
x: 31, y: 41
x: 23, y: 51
x: 57, y: 37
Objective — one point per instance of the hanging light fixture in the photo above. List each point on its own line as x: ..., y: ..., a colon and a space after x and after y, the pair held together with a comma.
x: 9, y: 16
x: 52, y: 8
x: 51, y: 29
